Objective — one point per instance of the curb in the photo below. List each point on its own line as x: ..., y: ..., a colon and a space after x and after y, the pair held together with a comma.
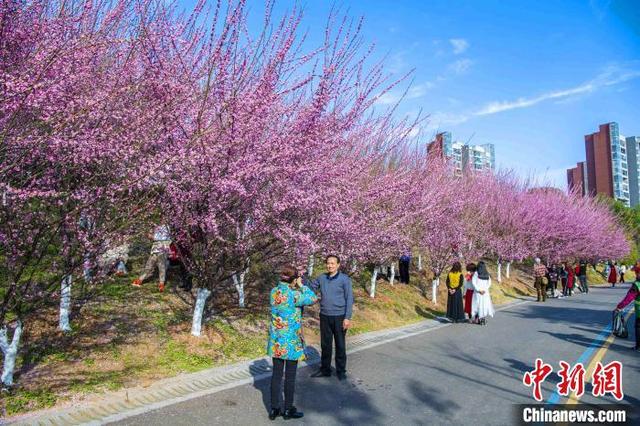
x: 119, y: 405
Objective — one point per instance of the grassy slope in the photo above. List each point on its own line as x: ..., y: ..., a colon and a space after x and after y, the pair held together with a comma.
x: 130, y: 336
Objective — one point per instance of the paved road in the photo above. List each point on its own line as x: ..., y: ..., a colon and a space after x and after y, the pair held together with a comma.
x: 459, y: 374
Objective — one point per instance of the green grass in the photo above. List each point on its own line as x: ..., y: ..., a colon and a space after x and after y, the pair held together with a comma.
x: 21, y: 400
x: 129, y: 336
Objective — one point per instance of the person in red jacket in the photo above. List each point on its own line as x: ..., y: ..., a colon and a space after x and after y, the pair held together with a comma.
x: 613, y: 274
x: 570, y: 278
x: 636, y: 269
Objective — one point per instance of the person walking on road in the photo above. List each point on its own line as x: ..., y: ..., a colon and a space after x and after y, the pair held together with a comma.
x: 552, y: 278
x: 468, y: 286
x: 582, y: 276
x: 633, y: 295
x: 613, y: 274
x: 157, y: 257
x: 571, y: 278
x: 623, y: 270
x: 455, y: 283
x: 286, y: 342
x: 336, y: 307
x: 563, y: 278
x: 482, y: 307
x: 636, y: 269
x: 539, y: 272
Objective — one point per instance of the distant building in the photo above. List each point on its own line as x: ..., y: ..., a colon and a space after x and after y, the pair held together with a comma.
x: 612, y: 166
x: 577, y: 179
x: 633, y: 165
x: 463, y: 157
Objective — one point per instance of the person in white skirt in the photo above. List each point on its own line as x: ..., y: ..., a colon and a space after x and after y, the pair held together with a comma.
x: 481, y: 306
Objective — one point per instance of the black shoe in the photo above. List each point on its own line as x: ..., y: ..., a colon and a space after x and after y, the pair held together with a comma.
x: 321, y: 373
x: 292, y: 413
x: 275, y: 412
x: 342, y: 376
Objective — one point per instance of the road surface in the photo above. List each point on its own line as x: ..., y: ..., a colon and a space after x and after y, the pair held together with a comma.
x: 459, y: 374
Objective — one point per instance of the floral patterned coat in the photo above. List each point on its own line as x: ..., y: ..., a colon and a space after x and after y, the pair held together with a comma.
x: 285, y: 330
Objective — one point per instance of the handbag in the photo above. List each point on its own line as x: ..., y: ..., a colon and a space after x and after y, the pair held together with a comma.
x: 619, y: 326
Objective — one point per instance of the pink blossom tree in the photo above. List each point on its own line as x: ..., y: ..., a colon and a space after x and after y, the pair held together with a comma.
x: 78, y: 117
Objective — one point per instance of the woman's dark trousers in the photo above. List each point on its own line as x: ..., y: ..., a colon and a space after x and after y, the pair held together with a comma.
x: 289, y: 368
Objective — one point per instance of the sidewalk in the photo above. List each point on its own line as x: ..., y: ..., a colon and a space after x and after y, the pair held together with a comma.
x: 124, y: 403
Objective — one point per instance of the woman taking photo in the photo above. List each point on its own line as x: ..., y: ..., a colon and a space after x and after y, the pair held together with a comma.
x: 286, y: 344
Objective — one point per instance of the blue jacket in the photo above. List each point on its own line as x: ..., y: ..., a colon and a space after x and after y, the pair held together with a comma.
x: 285, y: 330
x: 336, y: 293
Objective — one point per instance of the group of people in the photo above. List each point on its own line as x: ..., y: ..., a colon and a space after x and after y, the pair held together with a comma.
x: 615, y: 272
x: 477, y: 298
x: 569, y: 275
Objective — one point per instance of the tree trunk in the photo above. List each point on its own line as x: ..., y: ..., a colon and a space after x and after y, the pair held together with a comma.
x: 499, y: 271
x: 374, y: 278
x: 393, y: 274
x: 201, y: 300
x: 434, y: 289
x: 310, y: 265
x: 419, y: 262
x: 65, y: 303
x: 10, y: 352
x: 238, y: 281
x: 508, y: 269
x: 354, y: 266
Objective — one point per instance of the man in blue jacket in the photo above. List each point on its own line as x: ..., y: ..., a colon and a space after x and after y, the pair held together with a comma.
x: 336, y: 305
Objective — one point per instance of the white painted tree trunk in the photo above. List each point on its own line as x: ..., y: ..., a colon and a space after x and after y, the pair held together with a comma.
x: 393, y: 274
x: 201, y: 300
x: 310, y: 265
x: 419, y: 262
x: 10, y: 352
x: 65, y: 303
x: 434, y: 289
x: 374, y: 278
x: 499, y: 271
x: 238, y: 281
x: 508, y: 269
x: 354, y: 266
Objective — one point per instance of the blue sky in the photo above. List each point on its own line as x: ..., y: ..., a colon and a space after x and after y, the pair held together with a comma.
x: 531, y: 77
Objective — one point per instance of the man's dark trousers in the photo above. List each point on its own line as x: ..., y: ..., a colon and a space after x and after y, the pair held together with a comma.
x: 331, y: 330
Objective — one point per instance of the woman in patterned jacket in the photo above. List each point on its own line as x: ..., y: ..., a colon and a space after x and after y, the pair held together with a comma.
x: 286, y: 344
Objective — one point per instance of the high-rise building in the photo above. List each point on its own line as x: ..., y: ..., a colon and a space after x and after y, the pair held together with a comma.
x: 606, y: 170
x: 481, y: 157
x: 577, y: 179
x: 441, y: 145
x: 462, y: 156
x: 633, y: 165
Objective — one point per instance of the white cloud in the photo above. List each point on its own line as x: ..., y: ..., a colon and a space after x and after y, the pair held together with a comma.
x: 611, y: 76
x: 414, y: 92
x: 460, y: 66
x: 459, y: 45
